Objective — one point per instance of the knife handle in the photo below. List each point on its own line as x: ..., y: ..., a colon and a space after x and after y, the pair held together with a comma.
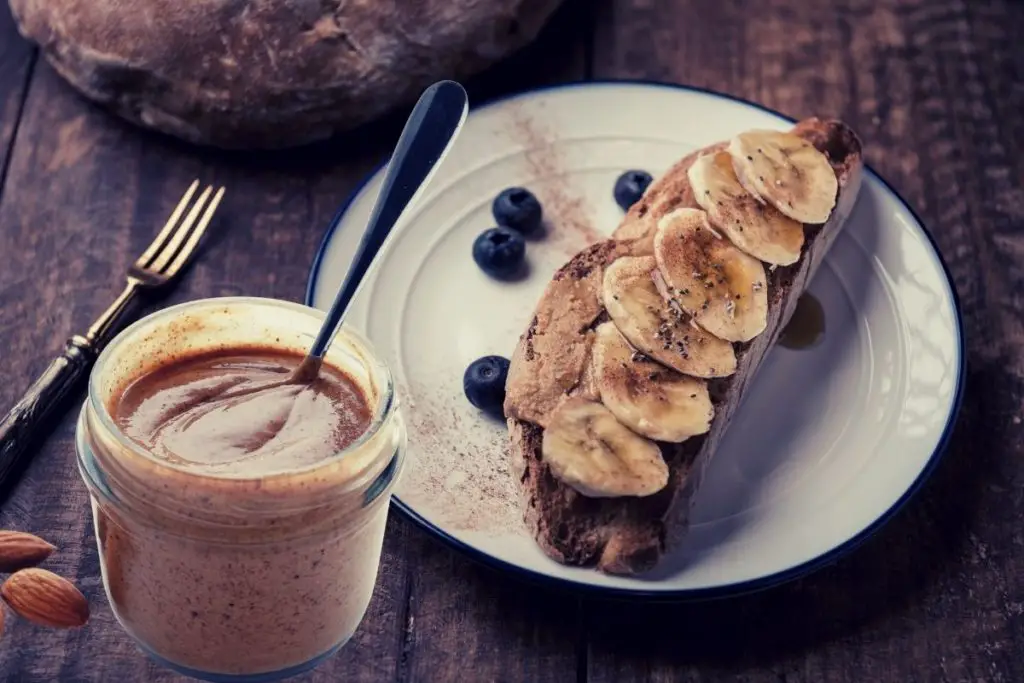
x: 23, y: 423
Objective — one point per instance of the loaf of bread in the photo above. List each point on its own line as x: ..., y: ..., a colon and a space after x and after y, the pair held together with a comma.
x: 273, y: 73
x: 642, y: 346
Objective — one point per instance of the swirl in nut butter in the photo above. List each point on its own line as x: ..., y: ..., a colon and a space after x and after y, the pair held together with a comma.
x: 234, y: 412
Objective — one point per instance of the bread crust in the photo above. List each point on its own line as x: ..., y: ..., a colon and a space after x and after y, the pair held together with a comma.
x: 629, y: 535
x: 274, y: 73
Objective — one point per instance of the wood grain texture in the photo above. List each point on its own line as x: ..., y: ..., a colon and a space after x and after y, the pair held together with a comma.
x: 17, y: 58
x: 935, y: 89
x: 467, y: 622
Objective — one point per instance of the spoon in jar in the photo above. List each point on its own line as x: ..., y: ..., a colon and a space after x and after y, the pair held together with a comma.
x: 428, y: 135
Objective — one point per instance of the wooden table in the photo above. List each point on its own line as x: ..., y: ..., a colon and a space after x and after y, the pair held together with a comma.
x: 936, y: 88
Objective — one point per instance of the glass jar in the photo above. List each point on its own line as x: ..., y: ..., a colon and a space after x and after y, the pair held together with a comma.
x: 226, y: 578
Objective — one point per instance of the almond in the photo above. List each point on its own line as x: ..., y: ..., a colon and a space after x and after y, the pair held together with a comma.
x: 19, y: 550
x: 45, y: 598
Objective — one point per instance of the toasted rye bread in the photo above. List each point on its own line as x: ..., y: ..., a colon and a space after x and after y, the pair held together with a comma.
x: 627, y: 535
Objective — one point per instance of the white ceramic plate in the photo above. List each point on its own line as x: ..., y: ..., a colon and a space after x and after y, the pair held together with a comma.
x: 830, y: 441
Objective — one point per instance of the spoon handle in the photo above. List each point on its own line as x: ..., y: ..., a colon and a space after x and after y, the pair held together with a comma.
x: 429, y: 132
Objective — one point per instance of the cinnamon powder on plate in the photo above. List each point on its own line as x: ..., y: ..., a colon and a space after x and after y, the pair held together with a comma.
x: 459, y: 467
x: 568, y: 222
x: 459, y: 470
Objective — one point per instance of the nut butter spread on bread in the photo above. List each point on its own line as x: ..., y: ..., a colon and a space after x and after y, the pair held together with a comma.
x: 643, y: 345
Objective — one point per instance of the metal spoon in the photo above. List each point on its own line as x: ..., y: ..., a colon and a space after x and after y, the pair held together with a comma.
x: 426, y: 138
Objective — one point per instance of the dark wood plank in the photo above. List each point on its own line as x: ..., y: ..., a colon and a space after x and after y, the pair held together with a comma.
x: 85, y: 194
x: 468, y: 622
x: 935, y: 90
x: 17, y: 58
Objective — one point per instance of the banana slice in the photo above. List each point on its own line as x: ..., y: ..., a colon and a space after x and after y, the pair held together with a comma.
x: 723, y: 288
x: 786, y: 171
x: 759, y: 229
x: 660, y: 328
x: 591, y: 451
x: 647, y: 397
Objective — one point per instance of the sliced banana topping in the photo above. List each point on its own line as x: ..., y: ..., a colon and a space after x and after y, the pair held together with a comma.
x: 757, y: 228
x: 648, y: 397
x: 786, y: 171
x: 660, y: 328
x: 723, y: 288
x: 594, y: 453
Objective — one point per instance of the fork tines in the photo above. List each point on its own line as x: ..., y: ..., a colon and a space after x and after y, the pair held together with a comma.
x: 178, y: 239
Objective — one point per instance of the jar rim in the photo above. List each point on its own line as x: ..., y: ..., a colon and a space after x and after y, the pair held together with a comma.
x: 381, y: 373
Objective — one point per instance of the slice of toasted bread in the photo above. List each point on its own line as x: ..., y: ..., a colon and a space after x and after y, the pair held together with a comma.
x: 626, y: 535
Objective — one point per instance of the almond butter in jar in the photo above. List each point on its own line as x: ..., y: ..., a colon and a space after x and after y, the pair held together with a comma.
x: 239, y: 517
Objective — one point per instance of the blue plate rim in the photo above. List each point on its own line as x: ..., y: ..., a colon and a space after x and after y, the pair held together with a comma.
x: 727, y: 590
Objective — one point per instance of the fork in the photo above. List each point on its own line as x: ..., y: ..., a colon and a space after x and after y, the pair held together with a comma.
x: 159, y: 264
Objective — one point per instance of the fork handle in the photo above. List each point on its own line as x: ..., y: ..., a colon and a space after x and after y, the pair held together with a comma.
x: 23, y: 422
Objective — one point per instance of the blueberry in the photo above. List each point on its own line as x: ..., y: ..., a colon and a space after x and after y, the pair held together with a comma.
x: 518, y: 209
x: 630, y: 187
x: 484, y: 383
x: 499, y: 251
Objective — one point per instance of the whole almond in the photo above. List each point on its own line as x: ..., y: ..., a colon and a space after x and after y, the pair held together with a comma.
x: 45, y: 598
x: 19, y: 550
